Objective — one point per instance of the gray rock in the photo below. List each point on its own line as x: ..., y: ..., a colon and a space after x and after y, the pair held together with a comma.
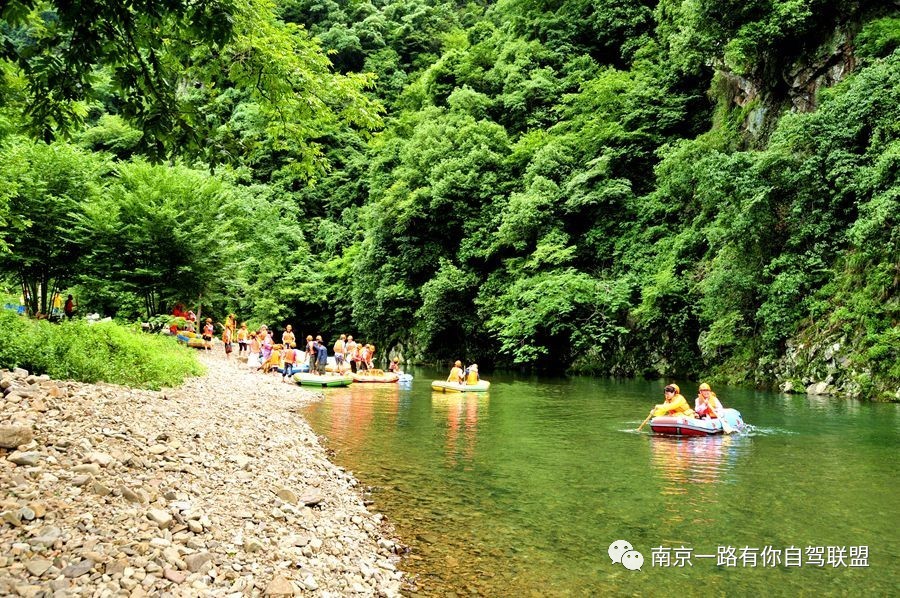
x: 91, y: 468
x: 38, y: 567
x: 817, y: 388
x: 48, y: 537
x: 101, y: 459
x: 12, y: 436
x: 195, y: 561
x: 27, y: 458
x: 311, y: 497
x: 99, y: 489
x: 78, y: 569
x: 14, y: 518
x: 130, y: 495
x: 26, y: 513
x: 174, y: 575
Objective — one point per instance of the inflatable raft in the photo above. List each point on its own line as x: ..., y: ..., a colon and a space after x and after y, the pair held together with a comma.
x: 191, y: 341
x: 443, y: 386
x: 366, y: 378
x: 689, y: 426
x: 322, y: 381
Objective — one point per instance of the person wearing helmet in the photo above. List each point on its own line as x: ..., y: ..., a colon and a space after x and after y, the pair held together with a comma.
x: 707, y: 404
x: 456, y: 373
x: 675, y: 403
x: 472, y: 374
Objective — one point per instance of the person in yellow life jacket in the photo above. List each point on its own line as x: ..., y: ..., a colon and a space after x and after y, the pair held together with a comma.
x: 456, y: 373
x: 273, y: 361
x: 675, y: 403
x: 472, y: 374
x: 707, y: 404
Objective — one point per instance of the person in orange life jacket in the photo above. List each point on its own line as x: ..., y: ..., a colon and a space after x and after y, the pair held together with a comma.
x: 272, y: 362
x: 472, y: 374
x: 675, y: 403
x: 208, y: 331
x: 287, y: 337
x: 288, y: 357
x: 707, y: 404
x: 243, y: 335
x: 456, y: 373
x: 394, y: 366
x: 369, y: 361
x: 311, y: 351
x: 226, y: 339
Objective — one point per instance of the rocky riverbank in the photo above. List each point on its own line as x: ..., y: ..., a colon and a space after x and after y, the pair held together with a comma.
x: 216, y: 488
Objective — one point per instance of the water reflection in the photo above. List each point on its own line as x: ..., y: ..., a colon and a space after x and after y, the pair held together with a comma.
x: 681, y: 462
x: 461, y: 412
x: 354, y: 408
x: 523, y: 491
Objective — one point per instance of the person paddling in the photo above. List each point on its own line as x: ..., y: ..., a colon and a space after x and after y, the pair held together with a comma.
x: 674, y: 404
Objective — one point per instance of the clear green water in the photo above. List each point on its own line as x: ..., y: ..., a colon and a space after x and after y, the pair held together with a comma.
x: 522, y: 491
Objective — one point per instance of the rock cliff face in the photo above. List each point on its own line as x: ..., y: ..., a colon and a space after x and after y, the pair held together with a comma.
x: 825, y: 366
x: 796, y: 87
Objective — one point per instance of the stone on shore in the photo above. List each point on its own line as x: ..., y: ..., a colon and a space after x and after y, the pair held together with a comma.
x: 13, y: 436
x: 196, y: 490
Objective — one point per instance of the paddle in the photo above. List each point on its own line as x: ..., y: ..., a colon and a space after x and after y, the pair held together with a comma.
x: 726, y: 427
x: 645, y: 421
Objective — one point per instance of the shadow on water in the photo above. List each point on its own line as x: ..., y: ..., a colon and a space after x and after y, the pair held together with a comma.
x: 521, y: 491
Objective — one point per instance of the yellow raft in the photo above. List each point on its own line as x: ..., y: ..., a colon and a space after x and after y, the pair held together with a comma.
x: 444, y: 386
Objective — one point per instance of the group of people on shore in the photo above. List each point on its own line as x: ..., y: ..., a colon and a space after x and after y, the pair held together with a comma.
x: 288, y: 357
x: 706, y: 405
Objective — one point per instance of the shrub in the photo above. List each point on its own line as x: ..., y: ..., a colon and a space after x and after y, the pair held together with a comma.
x: 106, y: 352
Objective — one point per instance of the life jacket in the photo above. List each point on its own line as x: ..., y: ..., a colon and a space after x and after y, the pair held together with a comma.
x: 472, y: 377
x: 677, y: 406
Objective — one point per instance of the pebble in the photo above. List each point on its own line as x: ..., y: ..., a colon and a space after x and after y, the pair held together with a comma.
x: 145, y: 493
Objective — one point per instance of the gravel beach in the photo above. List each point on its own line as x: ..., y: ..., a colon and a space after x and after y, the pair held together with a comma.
x: 216, y: 488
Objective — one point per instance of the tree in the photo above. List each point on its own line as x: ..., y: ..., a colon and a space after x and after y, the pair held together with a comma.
x: 45, y: 186
x: 160, y: 234
x: 58, y: 45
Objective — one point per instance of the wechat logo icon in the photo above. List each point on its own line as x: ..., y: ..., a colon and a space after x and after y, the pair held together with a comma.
x: 622, y: 552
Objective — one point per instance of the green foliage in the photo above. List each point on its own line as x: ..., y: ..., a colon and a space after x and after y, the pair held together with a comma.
x: 159, y: 233
x: 878, y: 38
x: 105, y: 352
x: 447, y: 318
x: 44, y: 187
x: 558, y: 184
x: 58, y: 44
x: 554, y: 316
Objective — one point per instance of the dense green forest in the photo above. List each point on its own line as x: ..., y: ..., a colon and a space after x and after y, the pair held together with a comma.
x: 661, y: 188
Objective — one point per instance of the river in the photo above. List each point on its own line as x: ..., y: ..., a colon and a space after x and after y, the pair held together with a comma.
x: 522, y: 491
